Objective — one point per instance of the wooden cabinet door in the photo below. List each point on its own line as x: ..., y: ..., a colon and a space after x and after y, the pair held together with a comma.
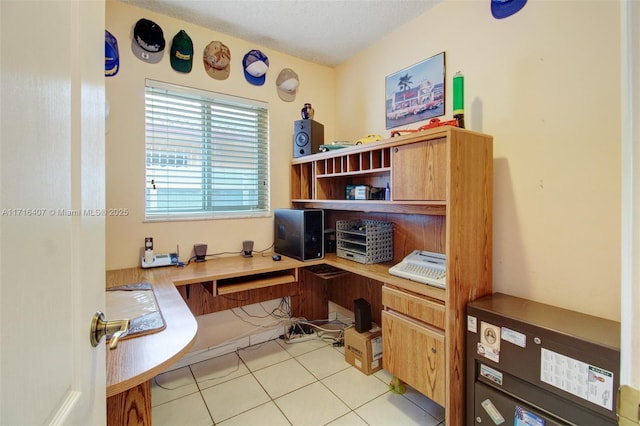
x: 420, y: 308
x: 415, y: 354
x: 419, y: 171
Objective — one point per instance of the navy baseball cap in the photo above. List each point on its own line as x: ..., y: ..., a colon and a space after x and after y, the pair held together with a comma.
x: 504, y: 8
x: 147, y: 43
x: 256, y: 65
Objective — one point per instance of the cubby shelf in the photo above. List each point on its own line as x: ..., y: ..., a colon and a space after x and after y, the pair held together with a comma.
x: 411, y: 166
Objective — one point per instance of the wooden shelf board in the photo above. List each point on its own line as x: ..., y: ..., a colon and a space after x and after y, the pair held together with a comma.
x: 368, y: 172
x: 434, y: 208
x: 250, y: 285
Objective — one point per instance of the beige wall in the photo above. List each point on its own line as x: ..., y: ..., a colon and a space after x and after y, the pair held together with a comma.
x: 125, y: 153
x: 546, y: 84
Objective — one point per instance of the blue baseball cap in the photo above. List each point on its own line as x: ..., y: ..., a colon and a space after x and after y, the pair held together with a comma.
x: 111, y: 55
x: 256, y: 65
x: 504, y: 8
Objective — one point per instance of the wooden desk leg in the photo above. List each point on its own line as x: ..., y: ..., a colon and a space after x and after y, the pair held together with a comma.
x: 131, y: 407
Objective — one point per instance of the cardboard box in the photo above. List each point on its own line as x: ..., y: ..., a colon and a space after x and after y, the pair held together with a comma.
x: 357, y: 192
x: 364, y: 350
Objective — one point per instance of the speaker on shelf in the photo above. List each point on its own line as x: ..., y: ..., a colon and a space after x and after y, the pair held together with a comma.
x: 308, y: 135
x: 362, y: 313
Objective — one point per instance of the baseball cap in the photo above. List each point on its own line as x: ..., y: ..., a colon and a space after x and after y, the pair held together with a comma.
x: 182, y: 52
x: 287, y: 84
x: 217, y: 60
x: 111, y: 55
x: 504, y: 8
x: 256, y: 65
x: 147, y: 43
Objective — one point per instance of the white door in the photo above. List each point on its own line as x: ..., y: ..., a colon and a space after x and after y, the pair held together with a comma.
x: 52, y: 244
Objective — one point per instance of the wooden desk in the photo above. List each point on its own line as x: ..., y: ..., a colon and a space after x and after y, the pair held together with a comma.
x: 132, y: 365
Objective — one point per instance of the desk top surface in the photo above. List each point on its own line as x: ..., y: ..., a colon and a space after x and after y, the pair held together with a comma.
x: 139, y: 359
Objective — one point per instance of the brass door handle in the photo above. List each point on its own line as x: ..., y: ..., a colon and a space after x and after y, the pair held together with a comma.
x: 100, y: 328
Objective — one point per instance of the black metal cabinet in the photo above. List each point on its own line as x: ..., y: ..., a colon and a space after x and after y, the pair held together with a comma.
x: 534, y: 364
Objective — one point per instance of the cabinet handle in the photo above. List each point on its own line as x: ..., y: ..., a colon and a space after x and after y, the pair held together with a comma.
x: 434, y: 350
x: 395, y: 149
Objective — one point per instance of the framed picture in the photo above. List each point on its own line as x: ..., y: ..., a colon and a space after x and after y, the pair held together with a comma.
x: 415, y: 93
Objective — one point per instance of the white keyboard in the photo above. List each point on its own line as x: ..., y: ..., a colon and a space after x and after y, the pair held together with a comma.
x: 423, y: 267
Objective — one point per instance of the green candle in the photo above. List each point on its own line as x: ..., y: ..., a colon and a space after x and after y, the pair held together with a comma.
x: 458, y: 94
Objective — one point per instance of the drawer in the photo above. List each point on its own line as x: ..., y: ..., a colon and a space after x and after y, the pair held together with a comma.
x: 417, y: 307
x: 415, y: 354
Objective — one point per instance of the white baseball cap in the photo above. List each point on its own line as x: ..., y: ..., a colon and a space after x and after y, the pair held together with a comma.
x: 287, y: 84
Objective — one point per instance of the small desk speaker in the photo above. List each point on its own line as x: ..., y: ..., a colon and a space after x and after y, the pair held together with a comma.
x: 200, y: 250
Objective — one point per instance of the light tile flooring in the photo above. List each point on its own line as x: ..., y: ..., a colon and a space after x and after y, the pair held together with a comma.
x: 275, y: 383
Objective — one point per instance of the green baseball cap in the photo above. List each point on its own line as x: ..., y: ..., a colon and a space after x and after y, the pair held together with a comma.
x: 182, y: 52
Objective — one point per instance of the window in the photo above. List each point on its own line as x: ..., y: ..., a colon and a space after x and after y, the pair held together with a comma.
x: 206, y: 154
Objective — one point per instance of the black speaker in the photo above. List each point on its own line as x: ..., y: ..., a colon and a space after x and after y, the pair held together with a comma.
x: 200, y: 250
x: 247, y: 248
x: 308, y: 135
x: 362, y: 311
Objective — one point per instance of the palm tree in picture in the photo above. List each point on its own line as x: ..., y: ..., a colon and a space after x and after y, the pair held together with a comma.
x: 405, y: 82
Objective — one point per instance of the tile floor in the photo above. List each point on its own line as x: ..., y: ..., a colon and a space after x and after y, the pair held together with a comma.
x: 276, y: 383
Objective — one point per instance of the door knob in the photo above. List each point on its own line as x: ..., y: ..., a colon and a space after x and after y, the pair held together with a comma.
x: 99, y: 328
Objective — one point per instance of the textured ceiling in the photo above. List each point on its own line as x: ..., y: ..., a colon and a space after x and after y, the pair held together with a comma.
x: 326, y: 32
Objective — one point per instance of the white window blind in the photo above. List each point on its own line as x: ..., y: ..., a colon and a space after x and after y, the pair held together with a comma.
x: 206, y: 154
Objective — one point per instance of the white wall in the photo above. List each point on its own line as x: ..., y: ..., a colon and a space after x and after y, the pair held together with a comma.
x: 125, y: 141
x: 545, y: 83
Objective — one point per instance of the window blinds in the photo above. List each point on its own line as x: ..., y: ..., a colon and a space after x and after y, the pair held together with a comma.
x: 206, y: 154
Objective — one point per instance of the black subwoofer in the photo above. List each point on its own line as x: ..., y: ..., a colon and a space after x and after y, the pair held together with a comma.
x: 362, y: 313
